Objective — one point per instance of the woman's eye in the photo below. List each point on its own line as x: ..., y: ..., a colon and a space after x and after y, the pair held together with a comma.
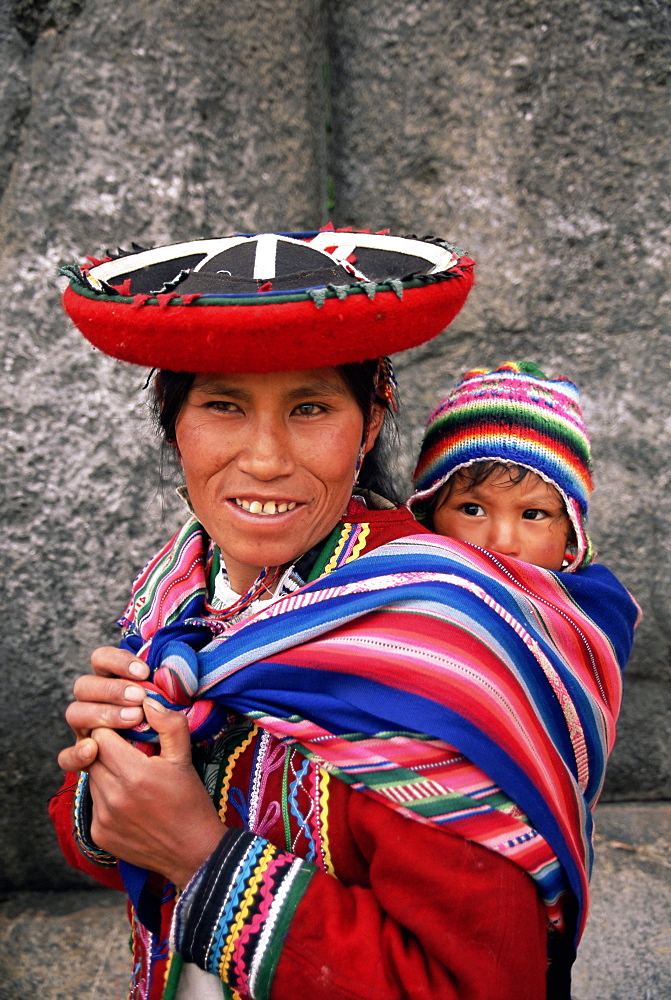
x: 223, y: 406
x: 308, y: 409
x: 535, y: 514
x: 473, y: 510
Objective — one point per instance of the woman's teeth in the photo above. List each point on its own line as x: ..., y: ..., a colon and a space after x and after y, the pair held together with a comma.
x: 269, y: 507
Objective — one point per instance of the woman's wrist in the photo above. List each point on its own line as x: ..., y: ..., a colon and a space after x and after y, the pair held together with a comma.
x: 195, y: 852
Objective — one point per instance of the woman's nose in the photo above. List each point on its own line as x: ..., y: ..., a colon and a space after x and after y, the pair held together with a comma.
x: 266, y: 452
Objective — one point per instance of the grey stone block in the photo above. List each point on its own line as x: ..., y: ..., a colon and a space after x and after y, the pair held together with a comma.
x: 151, y: 123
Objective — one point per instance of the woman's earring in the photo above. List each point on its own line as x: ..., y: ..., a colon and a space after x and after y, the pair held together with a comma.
x: 359, y: 461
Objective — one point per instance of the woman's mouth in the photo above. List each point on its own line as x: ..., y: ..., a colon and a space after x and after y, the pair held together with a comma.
x: 267, y: 507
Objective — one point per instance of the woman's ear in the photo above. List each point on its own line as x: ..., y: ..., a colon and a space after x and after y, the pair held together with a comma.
x: 375, y: 423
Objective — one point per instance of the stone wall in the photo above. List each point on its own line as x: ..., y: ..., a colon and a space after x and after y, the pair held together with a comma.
x: 535, y: 135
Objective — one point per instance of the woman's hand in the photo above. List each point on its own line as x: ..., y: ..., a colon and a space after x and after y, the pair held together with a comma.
x: 153, y: 811
x: 108, y: 698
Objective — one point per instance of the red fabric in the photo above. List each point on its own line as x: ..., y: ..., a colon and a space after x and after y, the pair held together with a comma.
x: 417, y: 914
x: 268, y: 336
x: 386, y: 525
x: 414, y: 913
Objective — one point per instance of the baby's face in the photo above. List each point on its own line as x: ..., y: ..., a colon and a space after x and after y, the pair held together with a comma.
x: 527, y: 520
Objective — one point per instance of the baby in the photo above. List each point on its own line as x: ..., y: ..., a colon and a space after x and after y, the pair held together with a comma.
x: 505, y: 464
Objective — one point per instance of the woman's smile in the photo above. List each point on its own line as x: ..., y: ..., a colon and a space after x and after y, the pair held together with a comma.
x: 270, y: 462
x: 266, y: 507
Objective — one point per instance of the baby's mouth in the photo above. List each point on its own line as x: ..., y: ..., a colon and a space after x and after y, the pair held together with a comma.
x: 267, y: 507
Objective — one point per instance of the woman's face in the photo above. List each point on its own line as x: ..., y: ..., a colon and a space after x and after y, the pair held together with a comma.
x: 269, y: 462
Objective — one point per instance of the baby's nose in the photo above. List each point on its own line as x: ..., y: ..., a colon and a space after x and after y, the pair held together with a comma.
x: 503, y: 537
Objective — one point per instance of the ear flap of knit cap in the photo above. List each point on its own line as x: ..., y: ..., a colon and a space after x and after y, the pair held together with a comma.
x: 584, y: 550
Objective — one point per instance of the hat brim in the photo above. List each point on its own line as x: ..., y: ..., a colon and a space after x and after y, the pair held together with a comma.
x: 242, y: 337
x: 266, y: 331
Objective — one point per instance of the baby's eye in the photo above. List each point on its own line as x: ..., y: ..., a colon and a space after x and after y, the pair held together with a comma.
x: 473, y: 510
x: 535, y: 514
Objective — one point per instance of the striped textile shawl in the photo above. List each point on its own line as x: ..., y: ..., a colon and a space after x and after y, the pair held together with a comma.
x: 462, y: 689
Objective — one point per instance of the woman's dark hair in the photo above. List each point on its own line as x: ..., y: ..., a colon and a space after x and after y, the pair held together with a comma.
x: 170, y: 392
x: 377, y: 470
x: 376, y: 473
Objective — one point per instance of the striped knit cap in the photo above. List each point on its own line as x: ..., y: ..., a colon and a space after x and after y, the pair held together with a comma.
x: 517, y: 416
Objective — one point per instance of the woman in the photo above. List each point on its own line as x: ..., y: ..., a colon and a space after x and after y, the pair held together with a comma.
x: 378, y: 785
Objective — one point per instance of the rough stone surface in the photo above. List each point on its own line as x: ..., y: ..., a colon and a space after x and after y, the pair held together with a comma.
x: 152, y: 122
x: 625, y: 953
x: 64, y: 945
x: 535, y: 135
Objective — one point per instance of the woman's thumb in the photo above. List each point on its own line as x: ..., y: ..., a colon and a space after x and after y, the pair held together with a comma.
x: 173, y: 731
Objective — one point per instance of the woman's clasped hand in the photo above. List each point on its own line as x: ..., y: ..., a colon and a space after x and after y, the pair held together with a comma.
x: 140, y: 801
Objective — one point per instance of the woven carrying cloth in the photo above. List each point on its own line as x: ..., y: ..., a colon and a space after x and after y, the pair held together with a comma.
x: 269, y: 302
x: 459, y: 688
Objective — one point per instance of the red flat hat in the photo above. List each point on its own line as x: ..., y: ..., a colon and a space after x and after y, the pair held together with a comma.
x: 269, y: 302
